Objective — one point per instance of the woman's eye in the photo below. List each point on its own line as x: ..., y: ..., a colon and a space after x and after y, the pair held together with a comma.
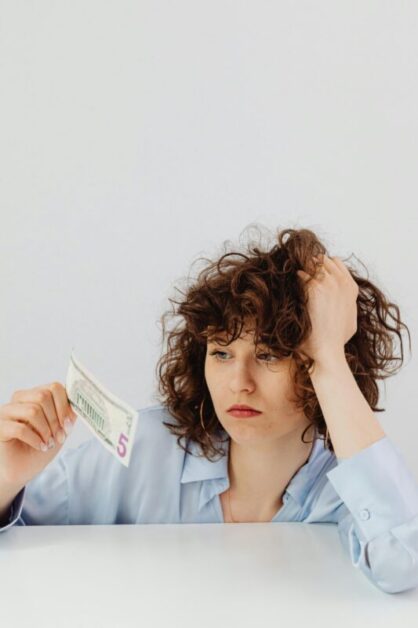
x: 271, y: 356
x: 215, y: 353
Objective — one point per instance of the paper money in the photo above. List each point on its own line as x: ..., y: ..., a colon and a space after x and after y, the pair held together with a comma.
x: 111, y: 420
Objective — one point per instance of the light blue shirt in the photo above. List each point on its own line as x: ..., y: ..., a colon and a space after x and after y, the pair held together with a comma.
x: 371, y: 496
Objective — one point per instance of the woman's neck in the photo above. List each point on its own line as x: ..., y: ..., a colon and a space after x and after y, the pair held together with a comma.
x: 259, y: 473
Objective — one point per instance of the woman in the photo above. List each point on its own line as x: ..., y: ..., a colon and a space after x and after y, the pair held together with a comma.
x: 301, y: 340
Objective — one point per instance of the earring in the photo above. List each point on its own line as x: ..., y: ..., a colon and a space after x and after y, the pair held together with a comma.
x: 327, y: 439
x: 201, y: 417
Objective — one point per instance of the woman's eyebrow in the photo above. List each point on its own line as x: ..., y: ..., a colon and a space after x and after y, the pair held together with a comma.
x: 216, y: 338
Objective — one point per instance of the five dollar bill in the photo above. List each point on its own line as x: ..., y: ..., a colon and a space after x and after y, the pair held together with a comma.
x: 111, y: 420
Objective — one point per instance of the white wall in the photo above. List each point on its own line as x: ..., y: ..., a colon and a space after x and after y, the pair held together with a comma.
x: 136, y: 136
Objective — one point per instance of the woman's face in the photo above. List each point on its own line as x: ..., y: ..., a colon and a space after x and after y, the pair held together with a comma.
x: 237, y: 375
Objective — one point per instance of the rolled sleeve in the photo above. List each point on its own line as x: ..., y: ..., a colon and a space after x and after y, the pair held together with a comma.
x: 381, y: 529
x: 377, y: 487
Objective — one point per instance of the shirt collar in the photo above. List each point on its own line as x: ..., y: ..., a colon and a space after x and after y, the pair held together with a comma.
x: 197, y: 467
x: 301, y: 483
x: 215, y: 477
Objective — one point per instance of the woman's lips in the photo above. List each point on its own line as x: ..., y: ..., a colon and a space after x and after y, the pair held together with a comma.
x: 243, y: 414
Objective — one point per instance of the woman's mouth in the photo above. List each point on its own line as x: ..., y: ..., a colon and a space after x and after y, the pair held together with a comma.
x: 243, y: 414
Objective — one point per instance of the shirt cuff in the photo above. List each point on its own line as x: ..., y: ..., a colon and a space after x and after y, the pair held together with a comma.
x: 377, y: 487
x: 15, y: 510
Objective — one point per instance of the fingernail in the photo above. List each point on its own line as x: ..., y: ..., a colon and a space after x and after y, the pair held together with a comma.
x: 43, y: 447
x: 60, y: 436
x: 68, y: 426
x: 51, y: 443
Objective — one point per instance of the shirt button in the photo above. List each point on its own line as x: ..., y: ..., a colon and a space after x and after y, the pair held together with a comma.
x: 364, y: 514
x: 285, y: 497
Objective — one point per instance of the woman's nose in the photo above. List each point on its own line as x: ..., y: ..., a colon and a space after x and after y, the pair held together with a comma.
x: 241, y: 378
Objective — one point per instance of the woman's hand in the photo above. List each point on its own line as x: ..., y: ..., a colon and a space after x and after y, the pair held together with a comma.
x: 33, y: 417
x: 332, y: 307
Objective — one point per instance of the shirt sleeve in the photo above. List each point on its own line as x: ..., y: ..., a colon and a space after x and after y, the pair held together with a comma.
x: 83, y: 485
x: 380, y: 529
x: 44, y: 500
x: 88, y: 485
x: 15, y: 510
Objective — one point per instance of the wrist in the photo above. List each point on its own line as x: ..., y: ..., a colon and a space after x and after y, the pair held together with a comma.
x: 329, y: 360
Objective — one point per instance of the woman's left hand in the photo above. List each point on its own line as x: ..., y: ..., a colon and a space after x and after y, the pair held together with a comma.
x: 332, y: 307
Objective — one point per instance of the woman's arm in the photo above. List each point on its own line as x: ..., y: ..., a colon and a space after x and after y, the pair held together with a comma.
x: 332, y: 307
x: 378, y: 517
x: 378, y: 522
x: 350, y: 420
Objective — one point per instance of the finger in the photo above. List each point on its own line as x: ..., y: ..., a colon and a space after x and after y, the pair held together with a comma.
x: 328, y: 264
x: 321, y: 271
x: 340, y: 264
x: 42, y: 396
x: 347, y: 273
x: 30, y: 413
x: 21, y: 431
x: 304, y: 276
x: 62, y: 404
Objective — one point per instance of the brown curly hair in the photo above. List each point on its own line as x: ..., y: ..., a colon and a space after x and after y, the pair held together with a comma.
x: 262, y: 286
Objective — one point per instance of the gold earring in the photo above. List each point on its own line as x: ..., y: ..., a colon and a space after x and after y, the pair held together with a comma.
x: 327, y: 439
x: 201, y: 417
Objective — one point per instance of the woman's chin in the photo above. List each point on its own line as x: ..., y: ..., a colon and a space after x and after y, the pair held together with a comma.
x: 245, y: 432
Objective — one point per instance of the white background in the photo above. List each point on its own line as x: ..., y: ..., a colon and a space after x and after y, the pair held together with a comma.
x: 138, y: 136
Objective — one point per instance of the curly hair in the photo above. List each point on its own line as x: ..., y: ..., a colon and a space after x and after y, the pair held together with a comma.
x: 262, y: 286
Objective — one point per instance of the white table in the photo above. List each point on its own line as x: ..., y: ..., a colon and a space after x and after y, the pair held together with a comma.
x: 165, y: 575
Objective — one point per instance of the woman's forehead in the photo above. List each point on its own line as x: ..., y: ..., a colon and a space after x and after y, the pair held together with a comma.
x: 246, y: 336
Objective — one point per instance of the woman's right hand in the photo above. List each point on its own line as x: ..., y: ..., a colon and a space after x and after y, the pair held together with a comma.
x: 29, y: 421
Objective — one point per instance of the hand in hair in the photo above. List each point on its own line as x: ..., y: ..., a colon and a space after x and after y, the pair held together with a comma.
x: 332, y: 308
